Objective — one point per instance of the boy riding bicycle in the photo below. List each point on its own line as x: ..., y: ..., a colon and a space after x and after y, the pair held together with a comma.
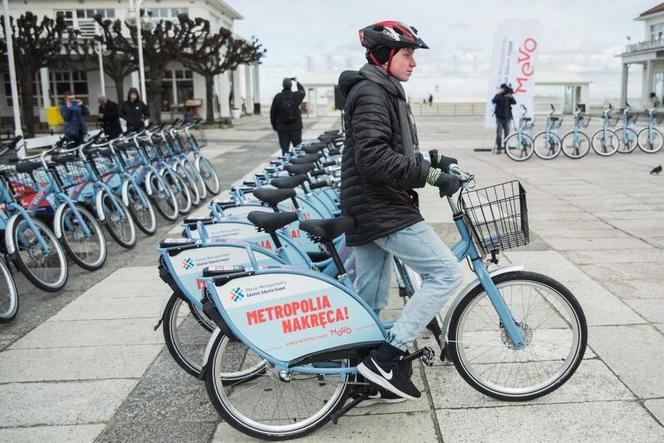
x: 380, y: 168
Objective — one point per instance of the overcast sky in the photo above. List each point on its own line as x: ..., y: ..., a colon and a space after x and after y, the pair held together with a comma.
x: 319, y: 36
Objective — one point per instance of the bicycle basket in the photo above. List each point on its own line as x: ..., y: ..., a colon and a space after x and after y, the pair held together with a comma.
x: 71, y: 173
x: 497, y: 216
x: 26, y: 184
x: 103, y: 165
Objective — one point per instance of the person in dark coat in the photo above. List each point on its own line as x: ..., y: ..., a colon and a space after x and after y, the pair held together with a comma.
x: 134, y: 111
x: 109, y: 116
x: 285, y: 114
x: 381, y: 165
x: 503, y: 102
x: 72, y: 113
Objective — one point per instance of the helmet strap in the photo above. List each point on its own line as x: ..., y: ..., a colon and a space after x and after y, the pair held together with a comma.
x: 373, y: 58
x: 389, y: 60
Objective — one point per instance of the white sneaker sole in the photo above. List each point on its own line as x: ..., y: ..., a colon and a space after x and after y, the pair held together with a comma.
x: 380, y: 381
x: 379, y: 401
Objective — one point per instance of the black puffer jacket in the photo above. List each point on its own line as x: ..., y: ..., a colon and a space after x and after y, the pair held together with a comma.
x: 377, y: 178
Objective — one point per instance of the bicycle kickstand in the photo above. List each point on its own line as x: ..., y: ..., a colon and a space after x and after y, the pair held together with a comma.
x: 363, y: 395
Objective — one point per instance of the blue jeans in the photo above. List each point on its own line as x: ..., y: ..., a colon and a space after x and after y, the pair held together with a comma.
x: 419, y: 247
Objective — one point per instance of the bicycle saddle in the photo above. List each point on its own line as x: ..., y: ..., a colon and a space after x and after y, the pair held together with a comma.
x: 273, y: 196
x: 299, y: 169
x: 288, y: 182
x: 271, y: 221
x: 328, y: 229
x: 313, y: 148
x: 309, y: 158
x: 27, y: 166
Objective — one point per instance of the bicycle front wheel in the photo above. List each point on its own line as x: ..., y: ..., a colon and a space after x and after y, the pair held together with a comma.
x: 198, y: 178
x: 627, y: 140
x: 650, y: 140
x: 273, y: 404
x: 179, y: 189
x: 191, y: 184
x: 163, y: 198
x: 45, y: 265
x: 550, y: 319
x: 519, y: 147
x: 604, y: 142
x: 141, y: 209
x: 209, y: 175
x: 118, y: 221
x: 88, y: 251
x: 547, y: 145
x: 8, y: 294
x: 576, y: 145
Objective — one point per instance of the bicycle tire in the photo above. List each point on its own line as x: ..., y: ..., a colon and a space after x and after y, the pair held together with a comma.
x: 141, y: 209
x: 573, y: 152
x: 190, y: 182
x: 522, y: 144
x: 164, y: 200
x: 598, y: 143
x: 112, y: 220
x: 179, y: 190
x: 94, y: 227
x: 657, y: 145
x: 9, y: 300
x: 545, y: 144
x: 193, y: 172
x: 25, y: 268
x: 624, y: 148
x: 209, y: 175
x: 478, y: 292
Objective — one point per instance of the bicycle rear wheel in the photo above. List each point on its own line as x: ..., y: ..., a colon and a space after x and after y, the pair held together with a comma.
x: 604, y: 142
x: 46, y: 270
x: 627, y: 140
x: 551, y: 321
x: 547, y: 146
x: 8, y: 294
x: 575, y: 145
x: 273, y: 405
x: 519, y: 147
x: 650, y: 142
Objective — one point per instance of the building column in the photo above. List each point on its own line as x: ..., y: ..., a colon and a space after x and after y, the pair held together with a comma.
x: 237, y: 91
x: 46, y: 94
x: 257, y: 90
x: 136, y: 82
x: 224, y: 95
x: 623, y: 87
x: 645, y: 102
x: 248, y: 87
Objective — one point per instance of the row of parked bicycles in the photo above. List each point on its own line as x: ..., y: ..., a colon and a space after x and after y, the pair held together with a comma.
x: 263, y: 308
x: 547, y: 144
x: 54, y: 205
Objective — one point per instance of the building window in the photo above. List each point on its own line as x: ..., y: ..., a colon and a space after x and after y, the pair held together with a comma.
x: 657, y: 33
x: 36, y: 87
x: 84, y: 19
x: 64, y: 81
x: 176, y: 88
x: 169, y: 14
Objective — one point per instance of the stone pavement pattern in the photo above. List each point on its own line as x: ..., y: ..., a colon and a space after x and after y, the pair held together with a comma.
x: 85, y: 364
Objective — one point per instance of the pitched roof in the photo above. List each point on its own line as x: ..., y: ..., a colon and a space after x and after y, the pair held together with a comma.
x: 653, y: 10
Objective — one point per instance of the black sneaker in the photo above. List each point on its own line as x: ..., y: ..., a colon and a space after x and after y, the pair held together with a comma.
x: 391, y: 375
x: 380, y: 396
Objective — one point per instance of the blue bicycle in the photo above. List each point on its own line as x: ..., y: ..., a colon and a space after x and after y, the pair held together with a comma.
x: 291, y: 338
x: 604, y: 141
x: 650, y: 139
x: 576, y: 144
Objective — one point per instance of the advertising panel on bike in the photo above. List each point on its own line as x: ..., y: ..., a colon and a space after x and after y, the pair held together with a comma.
x: 289, y: 316
x: 189, y: 263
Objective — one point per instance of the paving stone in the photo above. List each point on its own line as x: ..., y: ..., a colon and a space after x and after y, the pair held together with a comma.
x: 94, y: 308
x: 593, y: 381
x: 157, y: 432
x: 656, y: 407
x: 416, y: 426
x: 634, y: 353
x: 623, y: 271
x: 52, y: 434
x: 599, y: 244
x: 604, y: 422
x: 97, y: 362
x: 68, y: 403
x: 615, y: 256
x: 636, y: 288
x: 650, y: 309
x: 91, y: 333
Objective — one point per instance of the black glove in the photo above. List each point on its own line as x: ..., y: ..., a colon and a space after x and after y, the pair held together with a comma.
x: 447, y: 184
x: 442, y: 162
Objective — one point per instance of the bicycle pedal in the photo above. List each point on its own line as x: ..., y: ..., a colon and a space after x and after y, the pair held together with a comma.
x: 428, y: 356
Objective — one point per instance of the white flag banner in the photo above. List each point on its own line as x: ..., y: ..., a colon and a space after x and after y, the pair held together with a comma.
x: 514, y: 62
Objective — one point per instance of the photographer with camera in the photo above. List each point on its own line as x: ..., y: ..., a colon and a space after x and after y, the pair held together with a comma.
x: 503, y: 102
x: 73, y: 113
x: 285, y: 114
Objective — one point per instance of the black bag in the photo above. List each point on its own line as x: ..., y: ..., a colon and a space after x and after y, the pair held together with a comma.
x: 289, y: 107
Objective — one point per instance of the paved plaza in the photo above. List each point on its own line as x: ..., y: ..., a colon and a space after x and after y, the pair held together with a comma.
x: 85, y: 364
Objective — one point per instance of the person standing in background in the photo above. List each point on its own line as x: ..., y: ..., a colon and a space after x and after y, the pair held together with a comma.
x: 72, y: 113
x: 286, y: 116
x: 134, y: 111
x: 503, y: 102
x: 109, y: 117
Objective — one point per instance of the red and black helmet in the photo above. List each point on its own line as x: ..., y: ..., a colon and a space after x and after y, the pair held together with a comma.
x: 391, y: 34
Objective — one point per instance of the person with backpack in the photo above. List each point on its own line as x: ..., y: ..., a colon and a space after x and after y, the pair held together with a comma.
x: 381, y: 165
x: 285, y: 114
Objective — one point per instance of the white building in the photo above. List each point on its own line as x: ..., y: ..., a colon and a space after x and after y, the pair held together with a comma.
x: 180, y: 84
x: 648, y: 53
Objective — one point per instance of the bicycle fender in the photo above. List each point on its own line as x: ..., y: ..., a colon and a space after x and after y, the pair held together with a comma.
x: 148, y: 183
x: 56, y: 220
x: 208, y: 348
x: 99, y: 206
x: 11, y: 247
x: 125, y: 193
x: 469, y: 287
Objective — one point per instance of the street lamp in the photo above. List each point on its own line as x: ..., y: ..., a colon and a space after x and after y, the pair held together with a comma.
x: 12, y: 71
x: 99, y: 49
x: 134, y: 18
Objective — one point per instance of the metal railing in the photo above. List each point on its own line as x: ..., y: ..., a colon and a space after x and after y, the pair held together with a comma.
x: 641, y: 46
